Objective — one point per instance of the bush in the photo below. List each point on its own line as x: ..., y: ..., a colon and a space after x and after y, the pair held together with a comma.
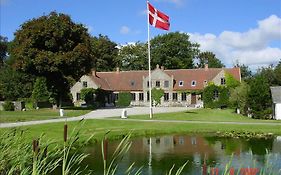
x: 124, y: 99
x: 8, y: 106
x: 157, y: 94
x: 87, y: 94
x: 208, y: 97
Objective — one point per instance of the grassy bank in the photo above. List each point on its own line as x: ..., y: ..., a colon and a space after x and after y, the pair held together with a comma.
x: 212, y: 115
x: 41, y: 114
x: 118, y: 128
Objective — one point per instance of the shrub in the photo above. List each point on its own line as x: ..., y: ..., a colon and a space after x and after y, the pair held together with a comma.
x: 124, y: 99
x: 87, y: 94
x: 210, y: 101
x: 156, y: 95
x: 8, y: 106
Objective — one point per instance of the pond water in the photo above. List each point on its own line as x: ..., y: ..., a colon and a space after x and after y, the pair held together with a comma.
x: 203, y: 153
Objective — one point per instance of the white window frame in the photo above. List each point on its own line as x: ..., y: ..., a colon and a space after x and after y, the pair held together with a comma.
x: 193, y: 83
x: 181, y: 83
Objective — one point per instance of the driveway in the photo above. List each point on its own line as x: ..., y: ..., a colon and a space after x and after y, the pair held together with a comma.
x: 101, y: 114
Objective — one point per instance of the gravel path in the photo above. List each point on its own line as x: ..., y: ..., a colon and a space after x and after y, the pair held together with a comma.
x: 100, y: 114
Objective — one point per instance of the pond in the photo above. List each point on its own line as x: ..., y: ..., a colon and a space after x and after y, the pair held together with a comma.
x: 203, y: 153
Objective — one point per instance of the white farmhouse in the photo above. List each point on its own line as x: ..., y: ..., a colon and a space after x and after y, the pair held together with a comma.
x: 276, y: 98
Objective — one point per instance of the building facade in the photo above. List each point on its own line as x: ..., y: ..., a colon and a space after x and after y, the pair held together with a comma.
x: 181, y: 87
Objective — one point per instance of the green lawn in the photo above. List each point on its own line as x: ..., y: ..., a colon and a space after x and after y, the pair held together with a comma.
x: 118, y: 128
x: 213, y: 115
x: 41, y: 114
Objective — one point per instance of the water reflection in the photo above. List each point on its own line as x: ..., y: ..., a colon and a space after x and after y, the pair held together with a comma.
x: 158, y: 154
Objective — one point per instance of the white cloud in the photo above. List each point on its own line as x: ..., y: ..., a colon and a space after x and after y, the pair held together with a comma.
x: 125, y: 30
x: 250, y: 47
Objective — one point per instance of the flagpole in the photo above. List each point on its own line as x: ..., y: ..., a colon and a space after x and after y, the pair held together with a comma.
x: 149, y: 66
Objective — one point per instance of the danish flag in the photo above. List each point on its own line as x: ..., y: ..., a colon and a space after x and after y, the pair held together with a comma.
x: 158, y: 19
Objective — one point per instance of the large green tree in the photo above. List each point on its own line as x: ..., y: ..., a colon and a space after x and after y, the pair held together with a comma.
x: 173, y: 51
x: 55, y: 47
x: 3, y: 49
x: 14, y: 84
x: 40, y: 91
x: 133, y: 57
x: 259, y: 98
x: 277, y: 72
x: 105, y: 52
x: 210, y: 59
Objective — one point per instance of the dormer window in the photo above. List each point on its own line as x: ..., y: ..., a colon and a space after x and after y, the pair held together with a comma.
x: 85, y: 84
x: 180, y: 83
x: 133, y: 83
x: 193, y: 83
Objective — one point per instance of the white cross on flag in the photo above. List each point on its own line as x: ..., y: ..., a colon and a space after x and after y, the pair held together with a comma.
x: 158, y: 19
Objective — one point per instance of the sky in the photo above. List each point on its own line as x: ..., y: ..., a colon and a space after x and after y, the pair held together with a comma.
x: 247, y: 31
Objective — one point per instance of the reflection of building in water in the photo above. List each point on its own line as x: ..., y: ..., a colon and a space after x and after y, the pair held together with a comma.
x: 276, y: 147
x: 195, y: 146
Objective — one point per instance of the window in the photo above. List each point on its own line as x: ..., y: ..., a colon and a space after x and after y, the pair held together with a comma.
x: 78, y: 96
x: 175, y: 96
x: 116, y: 97
x: 180, y: 83
x: 147, y: 95
x: 166, y: 84
x: 193, y: 83
x: 183, y: 96
x: 132, y: 82
x: 133, y: 96
x: 140, y: 96
x: 216, y: 94
x: 222, y: 81
x: 166, y: 96
x: 157, y: 84
x: 85, y: 84
x: 147, y: 83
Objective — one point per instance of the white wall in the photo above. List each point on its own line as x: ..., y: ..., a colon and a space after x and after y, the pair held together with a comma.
x: 278, y: 111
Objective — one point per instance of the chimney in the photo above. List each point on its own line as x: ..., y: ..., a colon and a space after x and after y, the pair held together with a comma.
x: 206, y: 67
x: 162, y: 67
x: 117, y: 69
x: 94, y: 72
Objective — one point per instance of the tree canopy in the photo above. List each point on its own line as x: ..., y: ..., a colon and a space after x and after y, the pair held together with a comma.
x: 210, y: 59
x: 173, y: 50
x: 105, y: 53
x: 3, y: 49
x: 133, y: 57
x: 54, y: 47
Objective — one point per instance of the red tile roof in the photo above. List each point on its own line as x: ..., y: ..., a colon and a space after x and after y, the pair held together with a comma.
x: 133, y: 80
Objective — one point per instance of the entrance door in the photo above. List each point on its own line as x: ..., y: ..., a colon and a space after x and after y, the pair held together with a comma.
x: 193, y: 98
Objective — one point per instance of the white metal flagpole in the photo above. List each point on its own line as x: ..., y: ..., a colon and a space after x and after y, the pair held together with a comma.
x: 149, y: 66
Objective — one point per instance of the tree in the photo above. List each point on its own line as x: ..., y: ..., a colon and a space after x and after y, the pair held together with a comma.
x: 105, y: 52
x: 259, y: 98
x: 54, y: 47
x: 15, y: 84
x: 231, y: 82
x: 133, y: 57
x: 3, y: 49
x: 156, y: 95
x: 40, y: 91
x: 238, y: 97
x: 210, y: 59
x: 269, y: 74
x: 173, y: 51
x: 277, y: 72
x: 215, y: 96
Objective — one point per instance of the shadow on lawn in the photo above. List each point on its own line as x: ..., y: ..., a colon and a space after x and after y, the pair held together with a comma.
x: 191, y: 112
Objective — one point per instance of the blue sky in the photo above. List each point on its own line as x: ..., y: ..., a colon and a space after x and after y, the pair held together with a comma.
x: 245, y: 30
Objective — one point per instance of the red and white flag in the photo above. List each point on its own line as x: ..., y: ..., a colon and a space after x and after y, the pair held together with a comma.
x: 158, y: 19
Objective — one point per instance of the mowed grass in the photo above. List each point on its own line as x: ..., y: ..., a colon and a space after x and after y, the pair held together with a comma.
x: 41, y: 114
x: 212, y: 115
